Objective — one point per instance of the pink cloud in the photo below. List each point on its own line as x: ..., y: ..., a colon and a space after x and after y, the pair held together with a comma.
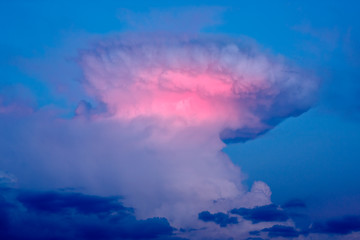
x: 228, y: 84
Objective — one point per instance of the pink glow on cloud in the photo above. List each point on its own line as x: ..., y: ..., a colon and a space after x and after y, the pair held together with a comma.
x: 194, y: 82
x: 193, y: 100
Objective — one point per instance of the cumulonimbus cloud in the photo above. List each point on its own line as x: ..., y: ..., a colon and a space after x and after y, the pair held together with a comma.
x: 229, y: 84
x: 168, y: 105
x: 188, y: 94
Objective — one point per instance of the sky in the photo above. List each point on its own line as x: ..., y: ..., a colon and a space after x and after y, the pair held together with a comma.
x: 179, y: 120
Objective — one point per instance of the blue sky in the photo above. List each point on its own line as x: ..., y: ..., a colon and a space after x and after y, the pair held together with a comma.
x: 313, y: 157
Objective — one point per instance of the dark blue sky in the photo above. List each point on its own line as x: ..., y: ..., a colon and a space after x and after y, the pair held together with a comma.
x: 313, y: 157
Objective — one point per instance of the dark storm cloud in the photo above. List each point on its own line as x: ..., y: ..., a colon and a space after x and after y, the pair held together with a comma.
x: 340, y: 226
x: 219, y: 218
x: 267, y: 213
x: 127, y: 228
x: 281, y: 231
x: 59, y: 202
x: 69, y: 215
x: 344, y: 225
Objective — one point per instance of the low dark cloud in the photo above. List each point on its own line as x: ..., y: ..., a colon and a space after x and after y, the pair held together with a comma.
x: 339, y: 226
x: 273, y: 213
x: 281, y: 231
x: 127, y: 228
x: 267, y: 213
x: 219, y: 218
x: 60, y: 202
x: 344, y: 225
x: 70, y: 215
